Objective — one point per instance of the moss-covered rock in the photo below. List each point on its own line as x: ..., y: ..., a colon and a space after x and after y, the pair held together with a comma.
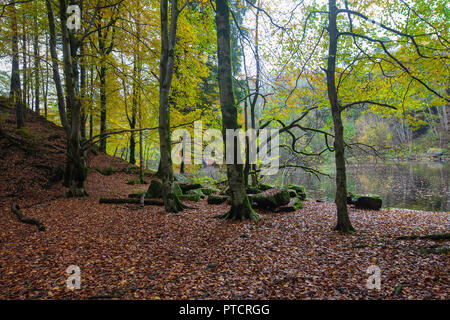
x: 187, y: 186
x: 214, y: 199
x: 371, y: 202
x: 264, y: 187
x: 271, y: 199
x: 198, y: 192
x: 292, y: 193
x: 190, y: 197
x: 154, y: 190
x: 301, y: 191
x: 208, y: 191
x: 351, y: 197
x: 294, y: 205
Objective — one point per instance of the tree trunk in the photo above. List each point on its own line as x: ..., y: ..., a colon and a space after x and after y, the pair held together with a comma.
x: 166, y: 67
x: 76, y: 170
x: 45, y: 88
x: 240, y: 205
x: 83, y: 93
x: 36, y: 68
x: 25, y: 72
x: 103, y: 107
x: 15, y: 90
x: 343, y: 220
x: 55, y: 68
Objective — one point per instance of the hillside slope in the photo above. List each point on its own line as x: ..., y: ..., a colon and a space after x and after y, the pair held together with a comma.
x: 32, y: 159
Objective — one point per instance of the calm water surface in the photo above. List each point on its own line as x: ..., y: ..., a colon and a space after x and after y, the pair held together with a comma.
x: 418, y: 186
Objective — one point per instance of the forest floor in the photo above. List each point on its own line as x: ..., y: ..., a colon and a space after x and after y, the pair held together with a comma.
x: 128, y: 252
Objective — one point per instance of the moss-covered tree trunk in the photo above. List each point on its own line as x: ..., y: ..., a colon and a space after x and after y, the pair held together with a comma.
x: 76, y: 171
x: 240, y: 205
x: 168, y: 40
x: 15, y: 90
x: 343, y: 220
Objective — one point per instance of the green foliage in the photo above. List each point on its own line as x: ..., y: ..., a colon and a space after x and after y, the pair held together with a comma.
x: 190, y: 197
x: 197, y: 192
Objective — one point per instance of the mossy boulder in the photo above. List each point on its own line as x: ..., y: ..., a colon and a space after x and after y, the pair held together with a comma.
x: 264, y: 187
x: 190, y: 197
x: 271, y: 199
x: 292, y: 193
x: 294, y: 205
x: 187, y: 186
x: 209, y: 191
x: 213, y: 199
x: 154, y: 189
x: 370, y: 202
x: 301, y: 191
x: 198, y: 192
x: 351, y: 197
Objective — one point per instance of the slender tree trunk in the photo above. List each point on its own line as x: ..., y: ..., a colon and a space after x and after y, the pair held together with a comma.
x: 240, y: 205
x: 25, y: 67
x: 83, y: 93
x: 91, y: 101
x: 45, y: 87
x: 36, y: 65
x: 343, y: 220
x: 103, y: 107
x: 55, y: 68
x: 76, y: 170
x: 247, y: 146
x: 15, y: 90
x: 166, y: 68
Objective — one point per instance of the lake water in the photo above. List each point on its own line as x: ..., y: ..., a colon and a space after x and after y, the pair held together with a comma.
x: 418, y: 186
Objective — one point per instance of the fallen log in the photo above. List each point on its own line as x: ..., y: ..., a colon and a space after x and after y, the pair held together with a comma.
x: 16, y: 210
x: 131, y: 201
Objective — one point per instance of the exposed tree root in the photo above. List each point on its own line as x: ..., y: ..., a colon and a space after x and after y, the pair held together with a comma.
x: 16, y: 210
x: 240, y: 213
x: 344, y: 228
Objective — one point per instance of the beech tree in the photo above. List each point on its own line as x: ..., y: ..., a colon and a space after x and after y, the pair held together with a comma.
x: 241, y: 208
x: 15, y: 90
x: 166, y: 68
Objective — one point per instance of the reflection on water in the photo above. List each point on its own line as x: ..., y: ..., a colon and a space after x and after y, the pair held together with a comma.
x: 414, y: 186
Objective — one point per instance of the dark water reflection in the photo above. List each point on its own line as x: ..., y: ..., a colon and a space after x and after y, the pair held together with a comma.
x: 416, y: 186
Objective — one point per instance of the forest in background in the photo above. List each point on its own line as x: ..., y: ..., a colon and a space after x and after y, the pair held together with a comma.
x: 346, y: 79
x: 94, y: 96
